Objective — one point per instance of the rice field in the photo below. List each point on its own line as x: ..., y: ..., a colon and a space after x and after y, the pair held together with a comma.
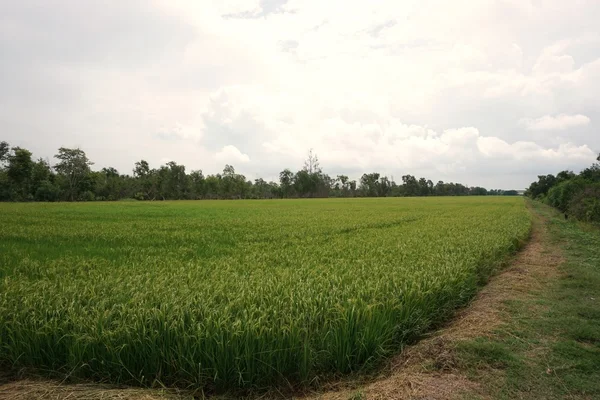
x: 222, y: 294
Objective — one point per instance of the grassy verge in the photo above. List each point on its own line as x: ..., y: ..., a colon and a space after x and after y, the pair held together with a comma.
x: 549, y: 346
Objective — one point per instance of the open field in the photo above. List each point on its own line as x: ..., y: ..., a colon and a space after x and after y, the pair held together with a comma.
x: 238, y: 293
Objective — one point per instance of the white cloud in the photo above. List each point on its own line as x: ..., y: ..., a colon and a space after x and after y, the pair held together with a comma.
x: 230, y: 154
x: 356, y: 137
x: 494, y: 147
x: 388, y: 85
x: 228, y: 7
x: 555, y: 123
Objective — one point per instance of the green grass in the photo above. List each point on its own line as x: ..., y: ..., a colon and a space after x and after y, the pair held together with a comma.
x: 550, y: 347
x: 239, y: 293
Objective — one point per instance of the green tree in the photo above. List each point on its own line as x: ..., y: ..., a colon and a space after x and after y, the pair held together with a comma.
x: 341, y: 186
x: 43, y: 183
x: 411, y: 185
x: 47, y: 191
x: 542, y: 186
x: 41, y: 172
x: 20, y: 171
x: 286, y: 181
x: 352, y: 187
x: 385, y: 186
x: 304, y: 183
x: 74, y: 167
x: 213, y: 186
x: 425, y: 187
x: 233, y: 185
x: 176, y: 181
x: 592, y: 173
x: 146, y: 179
x: 310, y: 180
x: 109, y: 185
x: 4, y: 151
x: 478, y: 191
x: 263, y: 189
x: 369, y: 184
x: 197, y: 184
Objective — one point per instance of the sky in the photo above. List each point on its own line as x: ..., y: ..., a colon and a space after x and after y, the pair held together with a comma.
x: 487, y: 92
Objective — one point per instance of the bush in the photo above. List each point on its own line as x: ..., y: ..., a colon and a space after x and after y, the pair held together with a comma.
x: 585, y: 205
x: 87, y: 196
x: 47, y: 191
x: 560, y: 196
x: 139, y: 196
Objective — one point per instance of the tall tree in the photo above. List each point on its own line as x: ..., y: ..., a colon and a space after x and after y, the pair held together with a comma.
x: 369, y: 184
x: 147, y: 180
x: 74, y: 166
x: 20, y: 171
x: 109, y: 184
x: 177, y: 186
x: 305, y: 183
x: 541, y: 187
x: 42, y: 182
x: 423, y: 187
x: 141, y: 169
x: 4, y: 150
x: 384, y: 187
x: 411, y: 185
x: 286, y: 178
x: 233, y: 185
x: 213, y: 186
x: 197, y: 184
x: 311, y: 164
x: 41, y: 172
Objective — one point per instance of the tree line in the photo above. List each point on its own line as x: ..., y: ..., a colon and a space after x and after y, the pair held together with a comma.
x: 71, y: 178
x: 576, y: 195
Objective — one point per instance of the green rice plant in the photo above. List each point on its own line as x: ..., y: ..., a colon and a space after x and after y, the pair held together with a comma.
x: 238, y: 294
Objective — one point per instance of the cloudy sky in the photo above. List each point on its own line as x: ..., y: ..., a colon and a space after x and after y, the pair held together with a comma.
x: 486, y: 92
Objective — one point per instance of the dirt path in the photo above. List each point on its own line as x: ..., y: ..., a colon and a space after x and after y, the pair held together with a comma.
x: 427, y: 370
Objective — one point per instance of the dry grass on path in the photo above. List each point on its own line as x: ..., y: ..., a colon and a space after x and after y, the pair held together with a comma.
x: 29, y: 389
